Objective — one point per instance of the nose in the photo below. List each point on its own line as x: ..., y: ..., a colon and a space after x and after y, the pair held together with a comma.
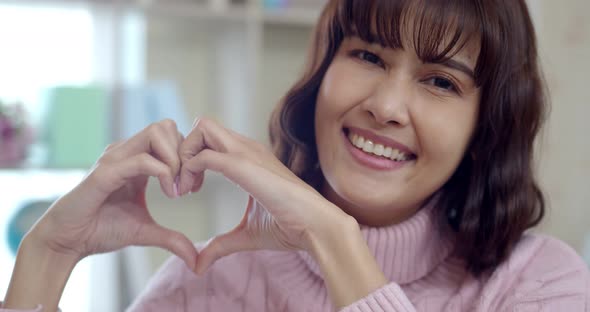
x: 389, y: 103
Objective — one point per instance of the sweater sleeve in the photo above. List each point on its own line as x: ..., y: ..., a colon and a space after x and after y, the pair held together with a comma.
x: 38, y: 309
x: 385, y: 299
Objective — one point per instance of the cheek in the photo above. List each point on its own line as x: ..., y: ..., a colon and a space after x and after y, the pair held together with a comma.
x: 344, y: 86
x: 444, y: 135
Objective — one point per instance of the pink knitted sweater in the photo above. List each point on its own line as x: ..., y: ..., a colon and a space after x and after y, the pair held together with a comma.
x: 542, y: 274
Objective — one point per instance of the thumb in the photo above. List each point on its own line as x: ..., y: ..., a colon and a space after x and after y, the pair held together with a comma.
x: 175, y: 242
x: 223, y: 245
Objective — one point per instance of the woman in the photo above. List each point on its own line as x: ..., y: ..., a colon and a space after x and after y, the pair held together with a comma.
x: 400, y: 180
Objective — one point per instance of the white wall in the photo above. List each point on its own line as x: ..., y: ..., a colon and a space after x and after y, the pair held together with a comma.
x: 564, y: 39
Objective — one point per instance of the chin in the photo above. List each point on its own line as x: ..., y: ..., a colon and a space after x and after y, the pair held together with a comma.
x: 372, y: 210
x: 376, y: 211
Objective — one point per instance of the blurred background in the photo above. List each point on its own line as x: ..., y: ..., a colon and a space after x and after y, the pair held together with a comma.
x: 76, y: 75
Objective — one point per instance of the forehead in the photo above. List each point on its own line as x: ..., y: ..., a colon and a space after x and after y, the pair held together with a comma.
x: 436, y: 31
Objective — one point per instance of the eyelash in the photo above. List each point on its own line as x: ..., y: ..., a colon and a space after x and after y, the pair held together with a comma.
x: 452, y: 86
x: 360, y: 53
x: 376, y: 60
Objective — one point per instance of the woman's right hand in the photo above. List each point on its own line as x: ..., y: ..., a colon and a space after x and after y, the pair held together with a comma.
x: 108, y: 211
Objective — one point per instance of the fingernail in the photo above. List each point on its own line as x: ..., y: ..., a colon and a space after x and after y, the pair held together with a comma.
x: 176, y: 193
x: 177, y: 186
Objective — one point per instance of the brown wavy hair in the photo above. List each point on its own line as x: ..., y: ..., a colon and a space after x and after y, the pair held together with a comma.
x: 492, y: 197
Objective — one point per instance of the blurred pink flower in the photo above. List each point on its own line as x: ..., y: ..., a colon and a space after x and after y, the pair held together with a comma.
x: 7, y: 129
x: 15, y: 135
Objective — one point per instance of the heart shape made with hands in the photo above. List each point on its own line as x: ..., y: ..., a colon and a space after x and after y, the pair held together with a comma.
x: 281, y: 207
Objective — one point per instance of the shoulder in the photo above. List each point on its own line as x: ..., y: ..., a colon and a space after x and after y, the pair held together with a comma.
x: 543, y: 257
x: 542, y: 270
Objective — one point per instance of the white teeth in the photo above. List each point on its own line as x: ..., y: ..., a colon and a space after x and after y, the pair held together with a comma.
x: 377, y: 149
x: 360, y: 142
x: 368, y: 147
x: 387, y: 152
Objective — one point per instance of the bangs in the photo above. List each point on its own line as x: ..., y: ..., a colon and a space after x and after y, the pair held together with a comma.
x: 435, y: 29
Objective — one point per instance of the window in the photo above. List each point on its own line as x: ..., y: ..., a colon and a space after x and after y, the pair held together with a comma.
x: 42, y: 46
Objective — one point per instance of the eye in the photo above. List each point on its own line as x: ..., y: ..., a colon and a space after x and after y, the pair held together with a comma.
x: 368, y: 57
x: 442, y: 83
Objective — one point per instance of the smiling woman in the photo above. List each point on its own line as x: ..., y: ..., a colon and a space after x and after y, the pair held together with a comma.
x: 438, y: 78
x: 400, y: 179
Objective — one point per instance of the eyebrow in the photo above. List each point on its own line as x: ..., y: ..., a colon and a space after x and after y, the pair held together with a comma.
x: 462, y: 67
x: 450, y: 63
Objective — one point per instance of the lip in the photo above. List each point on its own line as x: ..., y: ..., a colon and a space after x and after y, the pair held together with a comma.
x: 373, y: 162
x: 385, y: 141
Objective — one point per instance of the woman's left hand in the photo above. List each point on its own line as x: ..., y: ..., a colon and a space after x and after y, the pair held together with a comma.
x: 282, y: 211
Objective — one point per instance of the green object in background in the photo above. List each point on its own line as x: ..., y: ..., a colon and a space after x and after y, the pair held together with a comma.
x: 76, y: 126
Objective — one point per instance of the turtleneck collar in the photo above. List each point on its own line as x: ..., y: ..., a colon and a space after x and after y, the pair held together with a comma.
x: 406, y: 251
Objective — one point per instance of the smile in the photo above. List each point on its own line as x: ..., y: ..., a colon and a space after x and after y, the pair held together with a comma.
x: 376, y: 155
x: 369, y: 147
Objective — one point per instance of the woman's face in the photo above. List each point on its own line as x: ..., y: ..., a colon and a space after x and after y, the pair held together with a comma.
x: 391, y: 129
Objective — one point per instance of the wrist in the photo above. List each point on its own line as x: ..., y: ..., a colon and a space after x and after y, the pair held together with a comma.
x: 330, y: 233
x: 348, y: 267
x: 338, y: 238
x: 39, y: 276
x: 34, y: 245
x: 47, y: 237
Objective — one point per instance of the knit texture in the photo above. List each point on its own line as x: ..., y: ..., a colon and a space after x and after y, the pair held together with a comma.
x: 542, y: 274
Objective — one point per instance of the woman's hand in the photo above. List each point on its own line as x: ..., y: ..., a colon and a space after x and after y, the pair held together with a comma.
x: 107, y: 210
x: 282, y: 211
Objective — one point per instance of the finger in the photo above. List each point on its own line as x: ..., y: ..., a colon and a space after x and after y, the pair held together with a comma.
x: 223, y: 245
x: 113, y: 145
x: 179, y: 140
x: 175, y: 242
x: 193, y: 170
x: 191, y: 146
x: 206, y: 134
x: 198, y: 183
x: 141, y: 165
x: 247, y: 175
x: 159, y: 139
